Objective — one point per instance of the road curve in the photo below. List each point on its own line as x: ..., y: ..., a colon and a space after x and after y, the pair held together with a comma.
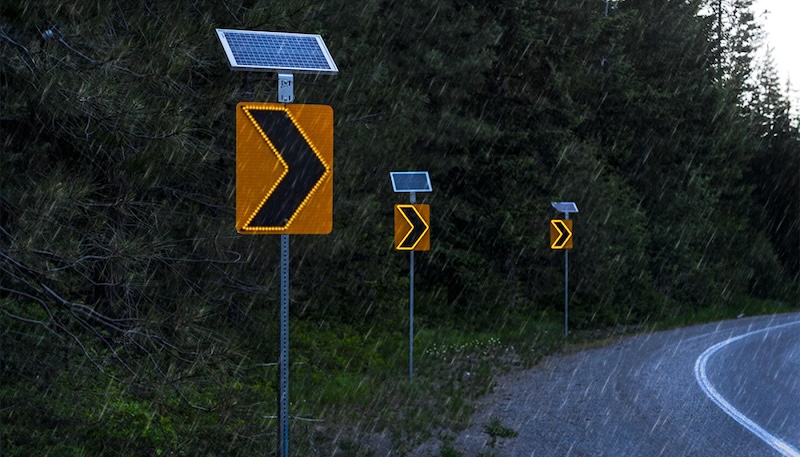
x: 725, y: 389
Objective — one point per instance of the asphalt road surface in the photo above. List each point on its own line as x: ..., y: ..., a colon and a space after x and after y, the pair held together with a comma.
x: 725, y: 389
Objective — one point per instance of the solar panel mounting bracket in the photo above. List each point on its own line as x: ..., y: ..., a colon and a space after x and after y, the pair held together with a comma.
x: 285, y: 87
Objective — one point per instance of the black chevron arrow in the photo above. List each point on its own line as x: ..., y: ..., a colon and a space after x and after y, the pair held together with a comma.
x: 304, y: 169
x: 418, y: 227
x: 564, y: 234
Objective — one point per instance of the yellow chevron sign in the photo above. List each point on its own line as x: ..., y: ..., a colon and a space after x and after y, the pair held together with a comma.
x: 284, y: 169
x: 412, y: 227
x: 561, y: 234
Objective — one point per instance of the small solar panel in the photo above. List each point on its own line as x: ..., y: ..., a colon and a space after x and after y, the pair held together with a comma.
x: 565, y: 207
x: 411, y: 181
x: 276, y: 51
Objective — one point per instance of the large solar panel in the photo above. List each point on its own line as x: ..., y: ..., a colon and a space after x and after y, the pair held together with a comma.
x: 411, y: 181
x: 276, y: 51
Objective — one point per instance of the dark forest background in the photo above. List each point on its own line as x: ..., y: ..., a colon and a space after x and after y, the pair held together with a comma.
x: 127, y: 297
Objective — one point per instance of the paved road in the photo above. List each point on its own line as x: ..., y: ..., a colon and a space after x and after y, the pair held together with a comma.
x: 725, y: 389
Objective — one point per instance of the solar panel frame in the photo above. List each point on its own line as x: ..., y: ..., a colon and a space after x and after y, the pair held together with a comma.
x: 565, y: 207
x: 411, y: 181
x: 276, y: 52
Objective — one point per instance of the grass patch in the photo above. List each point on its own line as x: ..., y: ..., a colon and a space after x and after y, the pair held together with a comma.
x: 341, y: 376
x: 495, y: 429
x: 449, y: 451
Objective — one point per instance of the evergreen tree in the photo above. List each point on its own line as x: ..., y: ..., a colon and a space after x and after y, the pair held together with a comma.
x: 774, y: 171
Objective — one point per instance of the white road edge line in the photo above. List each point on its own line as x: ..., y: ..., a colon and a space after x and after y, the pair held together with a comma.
x: 700, y: 374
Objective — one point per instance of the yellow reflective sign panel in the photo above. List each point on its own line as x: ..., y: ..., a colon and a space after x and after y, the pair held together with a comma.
x: 284, y: 169
x: 412, y: 227
x: 561, y: 234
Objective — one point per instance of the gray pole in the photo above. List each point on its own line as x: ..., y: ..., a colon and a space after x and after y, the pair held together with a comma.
x: 285, y: 95
x: 566, y: 287
x: 411, y: 319
x: 412, y: 200
x: 566, y: 293
x: 283, y: 360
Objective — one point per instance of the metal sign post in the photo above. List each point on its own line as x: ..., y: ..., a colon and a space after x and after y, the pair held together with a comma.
x: 566, y: 287
x: 285, y: 95
x: 412, y: 199
x: 283, y: 359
